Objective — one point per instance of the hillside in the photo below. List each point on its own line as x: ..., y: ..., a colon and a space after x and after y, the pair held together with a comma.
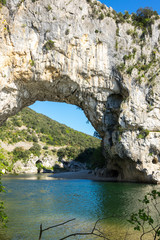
x: 30, y: 136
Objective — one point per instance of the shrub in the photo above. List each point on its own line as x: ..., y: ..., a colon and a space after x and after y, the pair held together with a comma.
x: 129, y: 31
x: 35, y: 149
x: 120, y: 18
x: 67, y: 32
x: 48, y: 8
x: 126, y: 15
x: 31, y: 62
x: 116, y: 45
x: 97, y: 154
x: 143, y: 133
x: 3, y: 2
x: 129, y: 70
x: 49, y: 45
x: 144, y: 19
x: 101, y: 16
x: 121, y: 67
x: 144, y: 13
x: 35, y: 138
x: 45, y: 147
x: 20, y: 153
x: 61, y: 153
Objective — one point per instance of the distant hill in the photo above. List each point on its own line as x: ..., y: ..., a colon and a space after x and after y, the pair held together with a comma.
x: 30, y: 133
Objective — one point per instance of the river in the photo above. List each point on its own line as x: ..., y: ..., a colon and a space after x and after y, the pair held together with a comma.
x: 34, y: 199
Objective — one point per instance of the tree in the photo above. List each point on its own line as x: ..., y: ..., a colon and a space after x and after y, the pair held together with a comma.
x: 35, y: 149
x: 146, y: 12
x: 3, y: 216
x: 144, y: 18
x: 95, y: 231
x: 147, y: 217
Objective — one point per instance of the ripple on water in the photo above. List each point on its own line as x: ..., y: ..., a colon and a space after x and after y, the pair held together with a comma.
x: 30, y: 201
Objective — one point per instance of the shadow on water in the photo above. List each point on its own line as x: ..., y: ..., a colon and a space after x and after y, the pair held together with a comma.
x: 34, y: 199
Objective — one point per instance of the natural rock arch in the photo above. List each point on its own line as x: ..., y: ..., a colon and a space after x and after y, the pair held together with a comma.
x: 59, y: 51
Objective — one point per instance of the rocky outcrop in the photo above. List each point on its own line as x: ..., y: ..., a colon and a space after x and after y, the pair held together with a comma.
x: 30, y: 166
x: 79, y: 52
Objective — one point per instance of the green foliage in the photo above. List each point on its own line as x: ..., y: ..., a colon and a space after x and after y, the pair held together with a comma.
x: 45, y: 147
x: 116, y: 45
x: 39, y: 166
x: 67, y: 32
x: 35, y: 138
x: 48, y: 8
x: 61, y: 153
x: 3, y: 216
x: 93, y: 157
x: 37, y: 127
x: 120, y: 18
x: 145, y: 13
x: 35, y: 149
x: 143, y: 133
x: 126, y: 15
x: 121, y: 67
x: 147, y: 218
x: 127, y: 57
x: 31, y: 62
x: 97, y: 159
x: 129, y: 70
x: 101, y: 16
x: 133, y: 33
x: 117, y: 31
x: 144, y: 18
x: 3, y: 2
x: 49, y: 45
x: 20, y: 153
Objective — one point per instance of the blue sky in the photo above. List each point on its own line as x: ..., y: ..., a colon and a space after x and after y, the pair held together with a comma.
x: 69, y: 114
x: 132, y: 5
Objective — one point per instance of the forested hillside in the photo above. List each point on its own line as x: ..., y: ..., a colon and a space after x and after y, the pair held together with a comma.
x: 29, y: 133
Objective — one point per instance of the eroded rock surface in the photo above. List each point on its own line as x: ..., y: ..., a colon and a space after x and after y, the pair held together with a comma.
x: 75, y: 52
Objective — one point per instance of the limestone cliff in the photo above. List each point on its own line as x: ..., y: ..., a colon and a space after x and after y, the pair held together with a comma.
x: 81, y: 52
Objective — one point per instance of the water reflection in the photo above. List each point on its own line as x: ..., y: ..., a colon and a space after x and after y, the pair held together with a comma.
x: 31, y: 200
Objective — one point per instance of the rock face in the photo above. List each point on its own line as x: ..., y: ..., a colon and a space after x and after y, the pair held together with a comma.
x: 30, y: 166
x: 75, y: 52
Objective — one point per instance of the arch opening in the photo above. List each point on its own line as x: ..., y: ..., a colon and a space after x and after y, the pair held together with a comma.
x: 40, y: 144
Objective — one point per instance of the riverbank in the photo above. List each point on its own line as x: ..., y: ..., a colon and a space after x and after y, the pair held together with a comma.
x: 84, y: 174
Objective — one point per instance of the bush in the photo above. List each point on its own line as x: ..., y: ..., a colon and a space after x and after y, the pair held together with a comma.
x: 3, y: 2
x: 101, y: 16
x: 144, y: 13
x: 45, y: 147
x: 49, y: 45
x: 35, y: 149
x: 143, y: 133
x: 144, y: 18
x: 61, y: 153
x: 20, y: 153
x: 35, y: 138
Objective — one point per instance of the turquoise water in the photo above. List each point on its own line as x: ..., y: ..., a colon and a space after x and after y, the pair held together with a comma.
x: 34, y: 199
